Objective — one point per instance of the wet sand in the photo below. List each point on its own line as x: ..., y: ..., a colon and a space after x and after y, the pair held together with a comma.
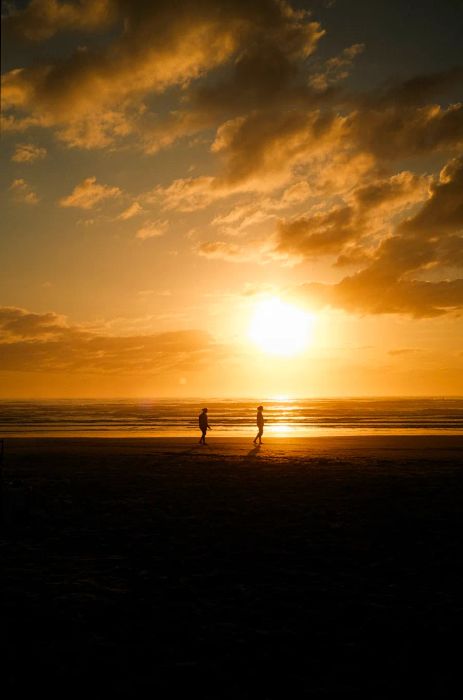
x: 308, y: 568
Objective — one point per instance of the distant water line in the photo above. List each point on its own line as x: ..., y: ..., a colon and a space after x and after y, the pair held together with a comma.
x: 298, y: 417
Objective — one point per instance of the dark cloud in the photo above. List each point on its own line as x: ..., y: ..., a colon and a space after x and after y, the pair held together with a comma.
x: 263, y: 146
x: 431, y: 240
x: 156, y: 45
x: 391, y: 132
x: 41, y: 19
x: 271, y: 107
x: 241, y: 71
x: 433, y: 236
x: 394, y: 259
x: 320, y: 234
x: 416, y: 91
x: 341, y: 230
x: 366, y: 293
x: 38, y: 342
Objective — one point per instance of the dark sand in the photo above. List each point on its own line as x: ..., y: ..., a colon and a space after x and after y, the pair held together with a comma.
x: 311, y: 568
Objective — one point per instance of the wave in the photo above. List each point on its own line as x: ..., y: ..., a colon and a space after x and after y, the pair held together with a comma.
x: 179, y: 417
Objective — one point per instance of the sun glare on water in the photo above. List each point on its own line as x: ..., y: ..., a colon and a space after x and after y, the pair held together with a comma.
x: 279, y: 328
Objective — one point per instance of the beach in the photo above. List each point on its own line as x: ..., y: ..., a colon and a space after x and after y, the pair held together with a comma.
x: 310, y: 567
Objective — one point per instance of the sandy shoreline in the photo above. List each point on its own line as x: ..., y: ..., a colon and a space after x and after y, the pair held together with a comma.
x: 309, y: 568
x: 441, y: 445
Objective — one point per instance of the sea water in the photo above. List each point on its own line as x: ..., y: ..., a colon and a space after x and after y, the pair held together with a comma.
x: 283, y: 417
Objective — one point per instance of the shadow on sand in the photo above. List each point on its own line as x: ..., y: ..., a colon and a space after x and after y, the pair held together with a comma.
x: 194, y: 449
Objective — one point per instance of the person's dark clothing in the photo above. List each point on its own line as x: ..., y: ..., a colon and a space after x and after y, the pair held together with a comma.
x: 260, y: 426
x: 203, y: 426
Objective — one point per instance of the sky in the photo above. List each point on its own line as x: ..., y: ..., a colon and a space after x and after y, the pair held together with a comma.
x: 179, y: 177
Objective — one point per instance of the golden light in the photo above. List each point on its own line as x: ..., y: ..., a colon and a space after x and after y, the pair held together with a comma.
x: 279, y: 328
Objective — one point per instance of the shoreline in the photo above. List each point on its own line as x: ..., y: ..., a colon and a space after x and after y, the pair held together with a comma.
x: 416, y: 447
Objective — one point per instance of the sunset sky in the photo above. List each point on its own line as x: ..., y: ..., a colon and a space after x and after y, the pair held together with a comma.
x: 174, y: 171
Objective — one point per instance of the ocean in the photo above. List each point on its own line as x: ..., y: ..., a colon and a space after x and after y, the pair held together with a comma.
x: 283, y: 417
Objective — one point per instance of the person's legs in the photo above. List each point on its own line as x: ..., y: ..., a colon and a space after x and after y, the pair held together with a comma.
x: 259, y: 435
x: 202, y: 439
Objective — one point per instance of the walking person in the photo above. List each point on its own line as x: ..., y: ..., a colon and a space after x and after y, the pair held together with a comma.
x: 203, y: 426
x: 260, y: 425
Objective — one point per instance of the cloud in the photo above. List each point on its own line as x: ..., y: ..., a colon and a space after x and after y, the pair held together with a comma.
x: 22, y: 192
x: 286, y: 138
x: 131, y: 211
x: 185, y: 194
x: 345, y: 228
x: 41, y: 19
x: 152, y: 229
x: 21, y: 324
x: 88, y: 194
x: 332, y: 134
x: 258, y: 153
x: 428, y: 243
x: 395, y: 131
x: 336, y: 68
x: 97, y: 129
x: 433, y: 237
x: 255, y: 250
x: 47, y: 342
x: 320, y: 234
x: 264, y: 147
x: 365, y: 293
x: 267, y: 70
x: 241, y: 69
x: 28, y: 153
x: 151, y: 46
x: 350, y: 230
x: 416, y: 91
x: 252, y: 211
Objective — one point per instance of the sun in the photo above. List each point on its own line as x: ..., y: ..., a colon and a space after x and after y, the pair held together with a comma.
x: 279, y: 328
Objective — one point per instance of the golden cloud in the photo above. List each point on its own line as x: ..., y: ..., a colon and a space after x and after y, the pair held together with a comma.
x: 254, y: 250
x: 366, y: 212
x: 88, y: 194
x: 28, y: 153
x: 22, y: 192
x: 133, y: 210
x: 152, y: 229
x: 47, y: 342
x: 90, y: 94
x: 366, y: 293
x: 429, y: 242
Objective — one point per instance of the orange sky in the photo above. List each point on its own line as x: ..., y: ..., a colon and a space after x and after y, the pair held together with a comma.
x: 169, y: 168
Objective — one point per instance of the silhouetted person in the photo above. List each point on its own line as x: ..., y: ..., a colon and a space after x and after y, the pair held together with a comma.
x: 203, y: 426
x: 260, y: 425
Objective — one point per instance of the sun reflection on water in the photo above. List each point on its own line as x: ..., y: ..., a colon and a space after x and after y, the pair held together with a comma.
x: 281, y: 429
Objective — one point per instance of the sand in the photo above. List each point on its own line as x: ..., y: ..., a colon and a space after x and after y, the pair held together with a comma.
x: 308, y: 568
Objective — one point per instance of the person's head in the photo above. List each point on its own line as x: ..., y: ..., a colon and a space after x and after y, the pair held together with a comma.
x: 204, y: 410
x: 260, y: 408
